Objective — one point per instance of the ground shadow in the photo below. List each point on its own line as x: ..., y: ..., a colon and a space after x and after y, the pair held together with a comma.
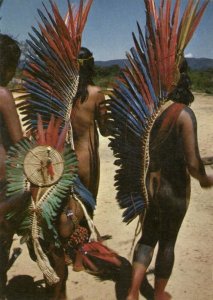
x: 23, y: 287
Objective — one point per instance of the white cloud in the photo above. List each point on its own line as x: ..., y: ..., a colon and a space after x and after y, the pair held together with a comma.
x: 188, y: 55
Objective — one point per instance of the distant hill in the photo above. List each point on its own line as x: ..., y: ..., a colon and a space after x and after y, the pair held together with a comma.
x: 194, y: 63
x: 200, y: 63
x: 109, y: 63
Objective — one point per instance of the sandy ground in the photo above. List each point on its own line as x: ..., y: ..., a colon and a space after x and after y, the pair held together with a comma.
x: 192, y: 277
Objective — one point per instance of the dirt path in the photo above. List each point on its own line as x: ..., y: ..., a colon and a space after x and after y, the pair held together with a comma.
x: 192, y: 277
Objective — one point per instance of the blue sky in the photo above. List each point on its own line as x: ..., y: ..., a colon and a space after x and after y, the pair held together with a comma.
x: 109, y: 27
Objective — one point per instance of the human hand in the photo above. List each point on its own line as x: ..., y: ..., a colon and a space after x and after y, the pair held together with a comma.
x: 207, y: 181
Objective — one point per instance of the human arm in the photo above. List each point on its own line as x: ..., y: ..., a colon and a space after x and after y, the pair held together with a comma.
x: 10, y: 115
x: 187, y: 126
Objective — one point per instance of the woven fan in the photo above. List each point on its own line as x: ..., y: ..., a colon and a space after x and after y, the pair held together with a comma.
x: 44, y: 164
x: 49, y: 164
x: 134, y: 105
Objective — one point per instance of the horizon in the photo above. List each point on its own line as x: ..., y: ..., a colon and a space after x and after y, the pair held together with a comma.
x: 126, y: 58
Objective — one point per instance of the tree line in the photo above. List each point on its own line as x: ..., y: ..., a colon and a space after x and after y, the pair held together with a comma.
x: 202, y: 80
x: 105, y: 77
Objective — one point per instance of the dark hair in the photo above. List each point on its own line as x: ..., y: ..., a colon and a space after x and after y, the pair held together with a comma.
x: 9, y: 57
x: 86, y: 74
x: 181, y: 92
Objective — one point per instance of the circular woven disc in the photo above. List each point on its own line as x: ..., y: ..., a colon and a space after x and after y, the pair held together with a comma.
x: 43, y: 166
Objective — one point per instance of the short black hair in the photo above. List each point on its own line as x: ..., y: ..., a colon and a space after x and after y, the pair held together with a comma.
x: 86, y: 73
x: 182, y: 92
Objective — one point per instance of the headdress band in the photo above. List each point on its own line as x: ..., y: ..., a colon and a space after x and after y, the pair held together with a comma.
x: 81, y: 60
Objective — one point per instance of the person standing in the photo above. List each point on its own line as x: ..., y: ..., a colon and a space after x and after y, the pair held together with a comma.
x: 10, y: 133
x: 86, y: 118
x: 174, y: 156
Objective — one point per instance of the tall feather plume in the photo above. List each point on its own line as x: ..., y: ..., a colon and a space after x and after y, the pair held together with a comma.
x: 51, y: 72
x: 189, y: 22
x: 167, y: 39
x: 150, y: 75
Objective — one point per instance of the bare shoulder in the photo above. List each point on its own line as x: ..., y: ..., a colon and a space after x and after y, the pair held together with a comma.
x: 94, y: 89
x: 96, y: 93
x: 5, y: 93
x: 187, y: 115
x: 6, y: 97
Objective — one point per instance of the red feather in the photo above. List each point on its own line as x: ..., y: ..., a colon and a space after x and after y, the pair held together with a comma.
x: 197, y: 20
x: 40, y: 132
x: 62, y: 138
x: 55, y: 132
x: 89, y: 264
x: 164, y: 36
x: 49, y: 131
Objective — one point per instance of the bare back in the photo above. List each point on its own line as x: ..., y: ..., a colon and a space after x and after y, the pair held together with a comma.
x: 86, y: 117
x: 177, y: 155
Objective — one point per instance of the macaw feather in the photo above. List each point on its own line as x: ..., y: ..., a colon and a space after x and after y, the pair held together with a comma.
x: 84, y: 194
x: 51, y: 73
x: 134, y: 104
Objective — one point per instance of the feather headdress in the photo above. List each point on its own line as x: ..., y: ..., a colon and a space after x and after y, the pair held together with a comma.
x: 151, y: 74
x: 52, y: 69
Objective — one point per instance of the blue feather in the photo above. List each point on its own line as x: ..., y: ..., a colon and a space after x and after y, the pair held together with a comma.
x: 84, y: 193
x: 146, y: 75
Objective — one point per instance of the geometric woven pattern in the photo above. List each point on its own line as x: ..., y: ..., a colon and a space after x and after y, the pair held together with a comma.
x: 51, y: 201
x: 43, y: 166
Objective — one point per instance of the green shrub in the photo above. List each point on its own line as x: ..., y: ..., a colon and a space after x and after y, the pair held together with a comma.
x: 202, y: 81
x: 105, y: 76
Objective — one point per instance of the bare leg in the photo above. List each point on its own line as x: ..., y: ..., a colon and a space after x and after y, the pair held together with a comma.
x: 166, y: 254
x: 58, y: 261
x: 142, y: 258
x: 138, y: 274
x: 6, y: 238
x: 163, y: 269
x: 6, y: 232
x: 78, y: 263
x: 146, y: 289
x: 160, y: 285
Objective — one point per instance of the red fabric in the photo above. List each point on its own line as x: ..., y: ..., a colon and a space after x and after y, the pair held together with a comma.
x: 97, y: 249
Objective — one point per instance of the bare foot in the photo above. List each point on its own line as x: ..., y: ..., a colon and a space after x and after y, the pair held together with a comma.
x: 78, y: 264
x: 163, y: 296
x: 132, y: 297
